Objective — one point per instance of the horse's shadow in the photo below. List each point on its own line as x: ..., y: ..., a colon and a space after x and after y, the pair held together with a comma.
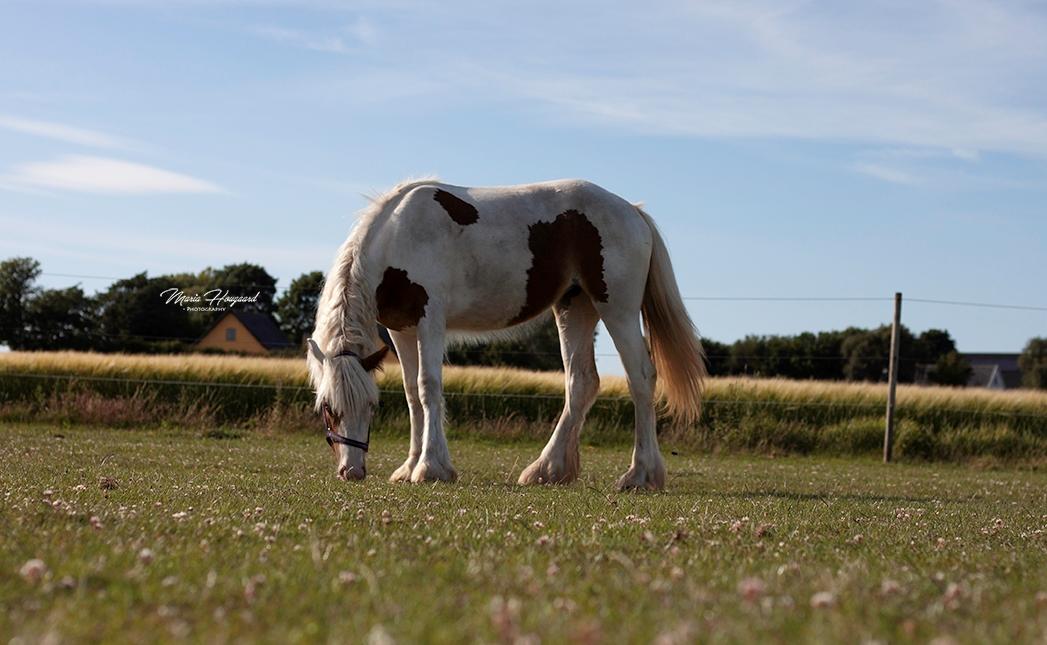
x: 674, y: 488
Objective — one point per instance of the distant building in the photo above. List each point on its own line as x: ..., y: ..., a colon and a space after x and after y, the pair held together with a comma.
x: 244, y: 332
x: 994, y: 371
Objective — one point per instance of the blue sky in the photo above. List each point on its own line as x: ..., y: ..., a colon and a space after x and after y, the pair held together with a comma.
x: 786, y: 149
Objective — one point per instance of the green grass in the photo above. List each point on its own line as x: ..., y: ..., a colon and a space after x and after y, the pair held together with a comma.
x: 256, y: 540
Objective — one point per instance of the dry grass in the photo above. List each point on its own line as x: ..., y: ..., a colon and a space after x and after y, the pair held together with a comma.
x: 291, y: 372
x: 766, y: 415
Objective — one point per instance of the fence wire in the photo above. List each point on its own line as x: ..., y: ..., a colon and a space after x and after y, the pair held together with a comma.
x: 506, y: 394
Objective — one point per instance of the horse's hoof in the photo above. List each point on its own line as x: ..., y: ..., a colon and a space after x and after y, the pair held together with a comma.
x: 544, y: 471
x: 403, y: 473
x: 431, y: 471
x: 640, y: 478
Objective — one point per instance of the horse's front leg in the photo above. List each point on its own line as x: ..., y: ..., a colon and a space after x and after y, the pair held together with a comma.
x: 407, y: 351
x: 434, y: 462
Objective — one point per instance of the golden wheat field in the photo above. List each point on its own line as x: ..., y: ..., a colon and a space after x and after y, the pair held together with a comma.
x: 292, y: 372
x: 762, y: 415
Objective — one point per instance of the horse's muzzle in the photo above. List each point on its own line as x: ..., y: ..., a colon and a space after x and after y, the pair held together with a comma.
x: 352, y: 473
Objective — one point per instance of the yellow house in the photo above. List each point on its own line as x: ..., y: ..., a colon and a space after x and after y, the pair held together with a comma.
x: 244, y: 332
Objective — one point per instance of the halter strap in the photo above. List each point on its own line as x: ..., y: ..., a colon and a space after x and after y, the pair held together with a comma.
x: 333, y: 437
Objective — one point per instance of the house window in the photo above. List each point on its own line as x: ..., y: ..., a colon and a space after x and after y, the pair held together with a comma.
x: 230, y: 334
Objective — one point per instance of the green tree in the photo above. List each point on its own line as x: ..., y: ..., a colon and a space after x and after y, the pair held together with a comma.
x: 867, y: 354
x: 827, y: 354
x: 61, y: 319
x: 296, y: 307
x: 243, y: 279
x: 951, y: 369
x: 1033, y: 362
x: 748, y: 356
x: 717, y: 357
x: 17, y: 286
x: 932, y: 344
x: 804, y: 356
x: 135, y: 317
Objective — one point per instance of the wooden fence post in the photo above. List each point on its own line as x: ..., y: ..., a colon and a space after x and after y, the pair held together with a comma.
x: 892, y: 379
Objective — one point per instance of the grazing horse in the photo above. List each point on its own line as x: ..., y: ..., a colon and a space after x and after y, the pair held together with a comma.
x: 428, y: 259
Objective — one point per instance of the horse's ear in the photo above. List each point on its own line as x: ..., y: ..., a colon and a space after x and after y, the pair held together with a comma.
x: 374, y: 360
x: 314, y: 349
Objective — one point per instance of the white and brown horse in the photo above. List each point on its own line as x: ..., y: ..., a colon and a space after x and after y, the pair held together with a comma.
x: 429, y: 260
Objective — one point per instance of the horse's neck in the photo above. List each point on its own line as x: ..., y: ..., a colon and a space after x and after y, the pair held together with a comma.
x: 351, y: 323
x: 353, y: 316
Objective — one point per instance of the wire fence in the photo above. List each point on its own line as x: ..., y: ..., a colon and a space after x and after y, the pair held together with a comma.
x: 878, y: 406
x: 748, y: 413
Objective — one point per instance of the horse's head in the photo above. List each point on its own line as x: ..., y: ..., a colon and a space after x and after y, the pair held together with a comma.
x: 346, y: 398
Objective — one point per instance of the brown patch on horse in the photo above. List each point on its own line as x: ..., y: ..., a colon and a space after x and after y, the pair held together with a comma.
x: 569, y: 246
x: 401, y: 303
x: 460, y: 210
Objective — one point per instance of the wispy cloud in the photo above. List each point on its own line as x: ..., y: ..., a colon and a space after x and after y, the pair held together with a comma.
x: 961, y: 75
x: 106, y: 243
x: 339, y: 41
x: 941, y: 168
x: 62, y: 132
x: 297, y: 38
x: 80, y: 173
x: 892, y: 175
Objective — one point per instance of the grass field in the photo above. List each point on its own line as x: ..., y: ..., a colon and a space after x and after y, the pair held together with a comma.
x: 168, y: 535
x: 754, y: 415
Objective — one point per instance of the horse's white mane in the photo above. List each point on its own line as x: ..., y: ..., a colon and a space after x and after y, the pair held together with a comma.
x: 346, y: 316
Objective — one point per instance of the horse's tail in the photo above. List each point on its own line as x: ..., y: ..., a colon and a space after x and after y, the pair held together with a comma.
x: 675, y: 348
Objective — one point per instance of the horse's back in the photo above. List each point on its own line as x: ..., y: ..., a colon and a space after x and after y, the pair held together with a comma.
x: 498, y: 256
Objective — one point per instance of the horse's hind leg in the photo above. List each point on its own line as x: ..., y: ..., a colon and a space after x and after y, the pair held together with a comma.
x: 559, y: 462
x: 407, y: 351
x: 647, y: 469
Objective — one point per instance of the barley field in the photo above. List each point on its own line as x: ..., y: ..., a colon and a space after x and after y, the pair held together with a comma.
x: 762, y: 415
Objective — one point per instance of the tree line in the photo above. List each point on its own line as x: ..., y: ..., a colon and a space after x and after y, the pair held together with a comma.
x: 134, y: 315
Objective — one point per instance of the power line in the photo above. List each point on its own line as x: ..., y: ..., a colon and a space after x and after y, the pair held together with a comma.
x: 789, y: 298
x: 959, y: 303
x: 77, y: 275
x: 256, y: 285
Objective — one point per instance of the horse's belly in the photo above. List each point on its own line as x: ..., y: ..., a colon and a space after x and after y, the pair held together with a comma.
x: 514, y: 278
x: 486, y: 293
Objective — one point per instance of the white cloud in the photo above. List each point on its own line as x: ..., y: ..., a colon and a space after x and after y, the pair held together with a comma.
x: 329, y: 44
x: 363, y: 30
x: 340, y: 41
x: 62, y: 132
x: 81, y: 173
x: 954, y: 75
x: 966, y: 155
x: 892, y: 175
x: 963, y: 75
x: 105, y: 244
